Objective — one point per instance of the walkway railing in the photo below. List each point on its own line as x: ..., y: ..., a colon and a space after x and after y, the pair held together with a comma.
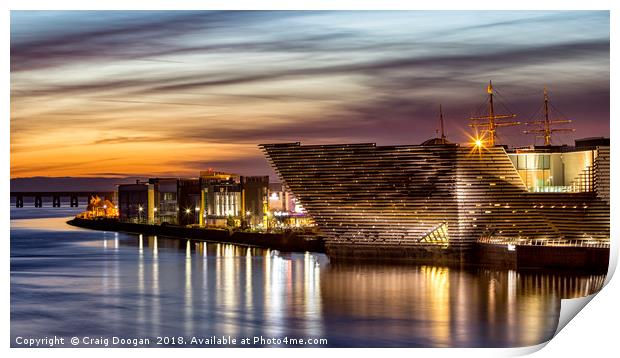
x: 544, y: 242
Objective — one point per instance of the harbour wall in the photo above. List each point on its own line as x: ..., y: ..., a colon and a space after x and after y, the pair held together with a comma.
x: 384, y: 254
x: 544, y: 257
x: 287, y: 241
x: 491, y: 255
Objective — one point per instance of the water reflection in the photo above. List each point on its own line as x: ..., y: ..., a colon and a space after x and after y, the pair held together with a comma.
x: 445, y: 307
x: 188, y: 290
x: 141, y: 295
x: 155, y: 296
x: 152, y: 286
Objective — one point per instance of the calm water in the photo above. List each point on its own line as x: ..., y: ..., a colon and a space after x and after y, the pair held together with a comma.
x: 73, y: 282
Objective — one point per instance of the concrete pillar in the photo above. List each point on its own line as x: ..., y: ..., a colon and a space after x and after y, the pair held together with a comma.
x: 19, y: 201
x: 38, y: 201
x: 56, y: 201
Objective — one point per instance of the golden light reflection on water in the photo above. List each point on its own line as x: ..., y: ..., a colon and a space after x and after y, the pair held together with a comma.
x: 141, y: 296
x: 155, y: 304
x: 274, y: 282
x: 44, y: 224
x: 145, y: 285
x: 438, y: 294
x: 448, y: 307
x: 188, y: 290
x: 248, y: 280
x: 244, y: 289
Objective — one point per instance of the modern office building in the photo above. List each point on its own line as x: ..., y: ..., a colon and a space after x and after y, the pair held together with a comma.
x: 165, y: 202
x: 216, y: 199
x: 254, y: 199
x: 161, y: 201
x: 133, y: 200
x: 390, y: 201
x: 228, y: 199
x: 220, y: 199
x: 189, y: 201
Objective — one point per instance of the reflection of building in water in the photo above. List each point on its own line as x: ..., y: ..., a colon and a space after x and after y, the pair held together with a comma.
x: 564, y: 286
x: 240, y: 285
x: 155, y: 302
x: 188, y: 295
x: 141, y: 285
x: 447, y: 306
x: 292, y: 289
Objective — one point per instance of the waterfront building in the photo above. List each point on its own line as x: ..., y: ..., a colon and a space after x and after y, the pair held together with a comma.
x: 99, y: 208
x: 220, y: 199
x: 216, y: 199
x: 165, y: 200
x: 189, y: 201
x: 254, y: 199
x: 389, y: 201
x: 440, y: 199
x: 228, y: 199
x: 284, y: 209
x: 280, y: 199
x: 133, y: 202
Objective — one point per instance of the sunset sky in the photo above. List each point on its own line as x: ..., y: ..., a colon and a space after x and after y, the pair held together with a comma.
x: 171, y: 93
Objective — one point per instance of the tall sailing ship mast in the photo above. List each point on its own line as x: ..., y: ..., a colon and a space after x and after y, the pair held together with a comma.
x: 546, y: 124
x: 491, y: 124
x: 442, y: 139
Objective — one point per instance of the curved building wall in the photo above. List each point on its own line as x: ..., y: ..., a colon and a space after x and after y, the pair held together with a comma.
x: 402, y: 197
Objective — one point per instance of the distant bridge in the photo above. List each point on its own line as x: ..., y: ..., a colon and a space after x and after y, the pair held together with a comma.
x: 56, y: 195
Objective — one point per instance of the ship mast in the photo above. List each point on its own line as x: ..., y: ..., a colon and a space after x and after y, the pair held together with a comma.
x: 546, y: 130
x: 491, y: 125
x: 443, y: 135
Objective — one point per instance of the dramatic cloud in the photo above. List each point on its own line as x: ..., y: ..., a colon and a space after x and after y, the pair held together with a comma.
x: 171, y: 93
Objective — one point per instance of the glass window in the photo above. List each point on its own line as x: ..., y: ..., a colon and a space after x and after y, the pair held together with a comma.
x: 521, y: 161
x: 546, y: 161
